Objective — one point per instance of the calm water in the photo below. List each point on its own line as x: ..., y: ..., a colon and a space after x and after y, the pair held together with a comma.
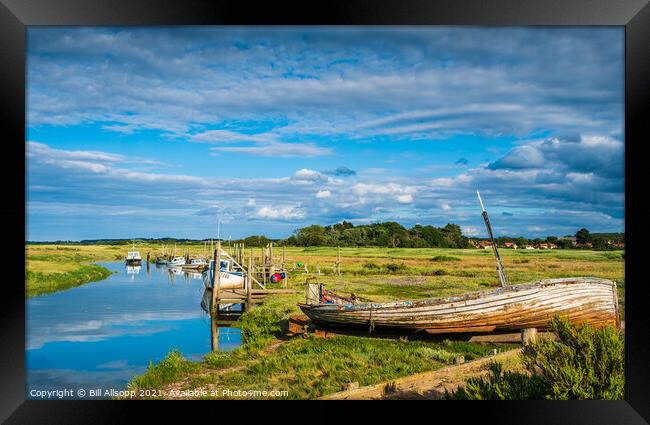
x: 101, y: 334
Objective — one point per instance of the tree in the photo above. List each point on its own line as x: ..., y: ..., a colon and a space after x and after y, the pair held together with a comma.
x: 582, y: 236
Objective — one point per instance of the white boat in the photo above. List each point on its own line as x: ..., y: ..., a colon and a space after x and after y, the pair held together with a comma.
x: 176, y: 261
x: 196, y: 263
x: 228, y: 278
x: 133, y: 257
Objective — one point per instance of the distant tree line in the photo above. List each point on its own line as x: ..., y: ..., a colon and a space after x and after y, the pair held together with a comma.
x: 389, y: 234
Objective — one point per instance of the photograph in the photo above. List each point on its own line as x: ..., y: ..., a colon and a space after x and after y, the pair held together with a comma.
x: 298, y: 212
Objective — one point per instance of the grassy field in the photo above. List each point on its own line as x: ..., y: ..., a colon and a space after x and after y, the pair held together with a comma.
x: 59, y: 268
x: 309, y: 367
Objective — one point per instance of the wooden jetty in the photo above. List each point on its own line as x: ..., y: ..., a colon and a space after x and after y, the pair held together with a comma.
x: 512, y: 308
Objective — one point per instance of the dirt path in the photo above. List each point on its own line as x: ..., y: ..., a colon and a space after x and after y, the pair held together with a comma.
x: 426, y: 385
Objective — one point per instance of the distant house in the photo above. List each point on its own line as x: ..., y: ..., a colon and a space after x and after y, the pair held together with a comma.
x: 485, y: 244
x: 615, y: 244
x: 529, y: 247
x: 584, y: 245
x: 510, y: 245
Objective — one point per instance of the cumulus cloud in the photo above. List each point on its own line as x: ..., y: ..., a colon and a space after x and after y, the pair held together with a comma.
x: 308, y: 175
x: 405, y: 199
x: 323, y: 194
x: 280, y: 213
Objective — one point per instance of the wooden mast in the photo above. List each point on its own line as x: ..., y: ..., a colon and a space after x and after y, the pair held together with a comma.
x: 502, y: 274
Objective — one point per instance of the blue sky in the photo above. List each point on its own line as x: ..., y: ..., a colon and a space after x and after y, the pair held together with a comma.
x: 153, y: 132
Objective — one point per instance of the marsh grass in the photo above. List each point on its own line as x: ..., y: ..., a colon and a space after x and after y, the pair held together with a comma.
x: 170, y: 369
x: 312, y: 367
x: 38, y: 283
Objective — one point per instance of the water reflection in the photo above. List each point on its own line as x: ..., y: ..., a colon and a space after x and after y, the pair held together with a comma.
x: 102, y: 333
x: 133, y: 269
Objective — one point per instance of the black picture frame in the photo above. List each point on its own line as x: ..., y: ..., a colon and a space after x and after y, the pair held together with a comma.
x: 16, y: 15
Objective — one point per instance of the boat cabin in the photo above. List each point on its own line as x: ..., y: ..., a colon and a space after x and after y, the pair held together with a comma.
x: 133, y: 255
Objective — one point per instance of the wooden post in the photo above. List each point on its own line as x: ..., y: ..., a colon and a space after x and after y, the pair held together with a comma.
x: 262, y: 265
x: 338, y: 261
x: 249, y: 282
x: 214, y: 308
x: 528, y: 335
x: 284, y: 270
x: 214, y: 333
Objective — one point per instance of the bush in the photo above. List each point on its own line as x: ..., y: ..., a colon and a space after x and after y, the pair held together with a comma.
x: 371, y: 266
x: 501, y: 385
x: 583, y: 364
x: 444, y: 258
x: 395, y: 267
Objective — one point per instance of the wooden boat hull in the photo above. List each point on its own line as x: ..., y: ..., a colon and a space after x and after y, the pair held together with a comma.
x: 532, y: 305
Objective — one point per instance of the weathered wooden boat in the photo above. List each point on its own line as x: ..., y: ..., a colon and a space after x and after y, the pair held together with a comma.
x: 511, y: 308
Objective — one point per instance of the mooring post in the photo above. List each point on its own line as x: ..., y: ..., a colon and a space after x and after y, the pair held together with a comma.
x: 528, y: 335
x: 285, y: 281
x: 249, y: 282
x: 214, y: 308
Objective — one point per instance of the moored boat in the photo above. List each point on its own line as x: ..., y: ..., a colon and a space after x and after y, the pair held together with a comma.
x: 228, y: 277
x: 196, y: 264
x: 176, y: 261
x: 133, y: 258
x: 533, y: 305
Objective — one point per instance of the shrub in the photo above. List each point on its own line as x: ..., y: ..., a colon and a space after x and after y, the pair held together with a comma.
x: 395, y: 267
x: 444, y: 258
x: 583, y: 364
x: 500, y: 385
x: 371, y: 266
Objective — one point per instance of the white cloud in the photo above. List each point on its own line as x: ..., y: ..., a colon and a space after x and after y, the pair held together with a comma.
x: 276, y: 149
x: 282, y: 213
x: 323, y: 194
x: 405, y: 199
x: 306, y: 174
x: 470, y: 231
